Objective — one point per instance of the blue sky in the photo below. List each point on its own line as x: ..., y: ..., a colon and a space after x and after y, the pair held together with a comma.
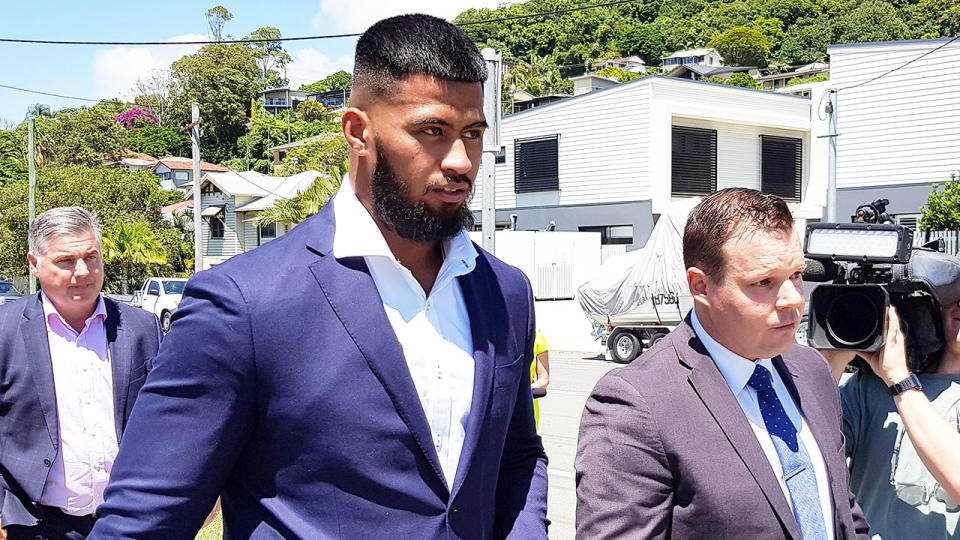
x: 105, y: 72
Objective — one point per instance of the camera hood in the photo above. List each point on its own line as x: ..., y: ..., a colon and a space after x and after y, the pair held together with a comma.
x: 940, y: 271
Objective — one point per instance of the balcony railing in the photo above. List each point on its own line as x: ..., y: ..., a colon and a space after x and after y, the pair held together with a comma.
x: 275, y: 102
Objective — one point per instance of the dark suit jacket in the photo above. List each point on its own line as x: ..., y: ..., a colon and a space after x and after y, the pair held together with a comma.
x: 666, y: 451
x: 282, y: 385
x: 29, y: 429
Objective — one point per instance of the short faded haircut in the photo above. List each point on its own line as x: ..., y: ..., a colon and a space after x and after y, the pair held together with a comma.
x: 71, y: 220
x: 723, y: 214
x: 396, y: 48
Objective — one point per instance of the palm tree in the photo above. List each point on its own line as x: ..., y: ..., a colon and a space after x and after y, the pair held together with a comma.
x: 40, y: 110
x: 307, y: 203
x: 132, y: 244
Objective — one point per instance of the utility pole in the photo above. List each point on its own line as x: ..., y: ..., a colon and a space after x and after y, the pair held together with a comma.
x: 32, y: 172
x: 491, y: 147
x: 195, y: 139
x: 832, y: 163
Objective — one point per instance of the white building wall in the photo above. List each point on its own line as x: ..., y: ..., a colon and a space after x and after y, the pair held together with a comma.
x: 903, y: 128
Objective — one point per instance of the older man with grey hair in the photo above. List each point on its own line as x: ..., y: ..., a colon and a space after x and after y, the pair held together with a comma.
x: 71, y: 365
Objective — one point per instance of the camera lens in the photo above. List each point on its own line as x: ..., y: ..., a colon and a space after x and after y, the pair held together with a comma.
x: 852, y: 319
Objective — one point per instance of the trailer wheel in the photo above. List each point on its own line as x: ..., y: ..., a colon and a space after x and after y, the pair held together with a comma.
x: 656, y: 339
x: 624, y: 346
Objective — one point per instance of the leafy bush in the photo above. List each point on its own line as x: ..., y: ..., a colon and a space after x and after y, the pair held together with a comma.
x: 743, y: 80
x: 810, y: 79
x: 942, y: 211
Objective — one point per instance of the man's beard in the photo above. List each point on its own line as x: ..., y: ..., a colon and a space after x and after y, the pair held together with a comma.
x: 414, y: 220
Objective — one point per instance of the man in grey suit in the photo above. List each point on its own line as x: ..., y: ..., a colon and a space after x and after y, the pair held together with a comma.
x: 71, y: 364
x: 725, y: 428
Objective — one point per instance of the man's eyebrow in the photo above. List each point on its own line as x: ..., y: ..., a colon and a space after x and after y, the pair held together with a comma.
x: 440, y: 122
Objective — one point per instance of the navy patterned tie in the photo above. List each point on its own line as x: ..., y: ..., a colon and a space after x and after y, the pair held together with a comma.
x: 797, y: 469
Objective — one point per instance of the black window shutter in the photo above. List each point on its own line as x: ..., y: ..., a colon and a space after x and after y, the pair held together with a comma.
x: 781, y: 166
x: 535, y: 166
x: 694, y: 161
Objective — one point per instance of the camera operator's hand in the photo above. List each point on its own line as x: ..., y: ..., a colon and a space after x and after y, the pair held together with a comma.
x: 838, y: 360
x: 890, y: 363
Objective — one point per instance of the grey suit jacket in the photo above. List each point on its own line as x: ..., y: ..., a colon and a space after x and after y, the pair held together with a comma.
x: 665, y: 451
x: 29, y: 427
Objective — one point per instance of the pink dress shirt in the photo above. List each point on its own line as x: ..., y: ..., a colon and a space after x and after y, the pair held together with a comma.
x: 83, y: 380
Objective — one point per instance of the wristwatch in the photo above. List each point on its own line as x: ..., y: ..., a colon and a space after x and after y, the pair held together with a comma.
x: 910, y: 382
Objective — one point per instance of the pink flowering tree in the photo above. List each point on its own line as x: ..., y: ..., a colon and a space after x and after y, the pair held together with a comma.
x: 135, y: 117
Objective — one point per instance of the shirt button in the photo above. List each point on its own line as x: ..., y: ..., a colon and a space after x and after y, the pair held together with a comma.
x: 46, y: 462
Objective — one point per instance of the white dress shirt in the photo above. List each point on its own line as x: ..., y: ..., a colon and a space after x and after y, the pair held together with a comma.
x: 83, y: 382
x: 433, y: 330
x: 737, y: 371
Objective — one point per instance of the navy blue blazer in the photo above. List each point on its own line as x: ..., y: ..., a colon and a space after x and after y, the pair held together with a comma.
x: 29, y: 429
x: 282, y: 387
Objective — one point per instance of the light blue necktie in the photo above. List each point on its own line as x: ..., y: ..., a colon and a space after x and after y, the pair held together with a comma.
x: 797, y: 469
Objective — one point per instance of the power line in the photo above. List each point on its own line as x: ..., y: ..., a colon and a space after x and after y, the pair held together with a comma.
x: 901, y: 66
x: 303, y: 38
x: 48, y: 93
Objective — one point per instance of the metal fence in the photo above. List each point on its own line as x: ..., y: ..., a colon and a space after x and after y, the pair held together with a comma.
x: 951, y: 239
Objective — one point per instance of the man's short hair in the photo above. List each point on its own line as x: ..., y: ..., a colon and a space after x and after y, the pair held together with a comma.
x: 720, y: 216
x: 71, y: 220
x: 395, y: 48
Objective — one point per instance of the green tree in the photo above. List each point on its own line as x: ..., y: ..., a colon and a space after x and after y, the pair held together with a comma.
x: 270, y: 56
x: 129, y: 245
x: 811, y: 79
x: 117, y: 195
x: 84, y: 136
x: 217, y: 16
x: 872, y: 20
x: 644, y: 40
x: 222, y: 79
x: 807, y: 41
x: 942, y: 211
x: 619, y: 74
x: 158, y: 141
x: 313, y: 111
x: 743, y: 80
x: 323, y: 154
x: 340, y: 80
x: 40, y: 110
x: 742, y: 46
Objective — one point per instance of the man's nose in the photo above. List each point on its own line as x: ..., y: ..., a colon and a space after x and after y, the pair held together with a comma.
x: 81, y: 268
x: 457, y: 161
x: 791, y: 295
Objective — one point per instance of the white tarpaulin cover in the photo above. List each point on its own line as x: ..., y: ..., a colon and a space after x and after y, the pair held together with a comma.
x: 627, y: 281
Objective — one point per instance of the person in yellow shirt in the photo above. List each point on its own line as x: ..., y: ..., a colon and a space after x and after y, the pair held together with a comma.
x: 539, y: 370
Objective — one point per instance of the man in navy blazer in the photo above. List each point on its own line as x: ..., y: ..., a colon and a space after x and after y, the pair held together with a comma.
x: 71, y: 364
x: 365, y: 374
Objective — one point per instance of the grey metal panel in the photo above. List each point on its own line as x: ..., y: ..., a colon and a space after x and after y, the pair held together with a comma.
x: 904, y: 198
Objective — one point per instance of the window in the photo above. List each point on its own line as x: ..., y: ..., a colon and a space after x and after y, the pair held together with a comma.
x: 694, y: 161
x: 781, y: 163
x: 210, y: 189
x: 612, y: 234
x: 216, y: 227
x: 535, y: 164
x: 153, y: 288
x: 268, y: 231
x: 182, y: 175
x: 501, y: 156
x: 908, y: 220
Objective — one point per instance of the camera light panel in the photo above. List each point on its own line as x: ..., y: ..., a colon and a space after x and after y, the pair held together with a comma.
x: 859, y: 242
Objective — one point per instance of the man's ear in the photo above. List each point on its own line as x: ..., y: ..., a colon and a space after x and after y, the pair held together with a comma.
x: 356, y: 129
x: 699, y: 282
x: 32, y: 259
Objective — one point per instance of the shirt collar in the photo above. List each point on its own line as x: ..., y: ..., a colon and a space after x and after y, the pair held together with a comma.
x: 50, y: 311
x: 736, y: 369
x: 357, y: 235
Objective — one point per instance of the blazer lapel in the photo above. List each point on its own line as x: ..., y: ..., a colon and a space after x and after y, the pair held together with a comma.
x: 41, y: 368
x: 819, y: 424
x: 352, y: 293
x: 715, y: 393
x: 120, y: 360
x: 487, y: 325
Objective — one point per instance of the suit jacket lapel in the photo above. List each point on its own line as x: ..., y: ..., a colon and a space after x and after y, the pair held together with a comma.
x: 487, y: 325
x: 352, y: 293
x: 818, y: 423
x: 38, y: 359
x: 715, y: 393
x: 120, y: 361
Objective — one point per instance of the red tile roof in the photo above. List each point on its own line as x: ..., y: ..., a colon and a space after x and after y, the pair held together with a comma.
x: 176, y: 206
x: 182, y: 163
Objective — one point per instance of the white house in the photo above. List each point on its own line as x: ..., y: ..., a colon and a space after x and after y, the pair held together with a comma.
x: 633, y: 64
x: 176, y: 173
x: 229, y: 201
x: 612, y: 160
x: 706, y: 57
x: 584, y: 84
x: 898, y: 120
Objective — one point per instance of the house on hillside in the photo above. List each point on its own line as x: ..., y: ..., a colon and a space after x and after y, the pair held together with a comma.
x: 584, y: 84
x: 280, y: 152
x: 898, y: 120
x: 177, y: 172
x: 276, y: 100
x: 633, y: 64
x: 776, y: 81
x: 229, y: 201
x: 612, y: 160
x: 697, y: 72
x: 136, y: 161
x: 706, y: 57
